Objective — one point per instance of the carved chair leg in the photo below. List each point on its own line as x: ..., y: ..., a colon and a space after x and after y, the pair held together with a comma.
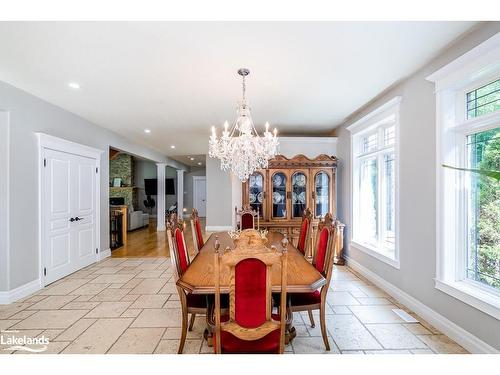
x: 311, y: 318
x: 324, y: 332
x: 183, y: 330
x: 191, y: 322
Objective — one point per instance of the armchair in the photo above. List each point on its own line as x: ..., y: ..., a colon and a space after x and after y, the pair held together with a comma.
x: 329, y: 239
x: 247, y: 217
x: 190, y: 303
x: 250, y: 326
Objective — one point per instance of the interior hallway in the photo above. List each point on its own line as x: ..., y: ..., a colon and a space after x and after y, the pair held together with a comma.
x: 148, y: 243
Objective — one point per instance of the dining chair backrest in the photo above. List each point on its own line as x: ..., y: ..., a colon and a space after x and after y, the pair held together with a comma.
x: 247, y: 217
x: 329, y: 241
x: 178, y: 250
x: 324, y: 244
x: 337, y: 243
x: 250, y: 294
x: 196, y: 230
x: 305, y: 231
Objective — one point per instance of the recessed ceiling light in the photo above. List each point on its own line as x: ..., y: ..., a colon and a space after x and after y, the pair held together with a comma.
x: 191, y: 158
x: 173, y: 146
x: 199, y: 163
x: 147, y: 131
x: 74, y: 85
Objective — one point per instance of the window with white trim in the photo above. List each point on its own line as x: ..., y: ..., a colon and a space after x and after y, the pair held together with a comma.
x: 374, y: 203
x: 482, y: 197
x: 468, y: 200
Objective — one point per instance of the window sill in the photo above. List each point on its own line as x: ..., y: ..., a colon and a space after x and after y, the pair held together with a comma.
x: 478, y: 298
x: 374, y: 252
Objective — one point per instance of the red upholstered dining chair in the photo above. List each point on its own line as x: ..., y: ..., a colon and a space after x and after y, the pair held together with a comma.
x: 196, y: 230
x: 329, y: 236
x: 305, y: 232
x: 190, y: 303
x: 250, y: 326
x: 247, y: 217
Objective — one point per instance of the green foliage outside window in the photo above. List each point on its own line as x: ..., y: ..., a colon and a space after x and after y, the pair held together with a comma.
x: 484, y: 253
x: 484, y: 248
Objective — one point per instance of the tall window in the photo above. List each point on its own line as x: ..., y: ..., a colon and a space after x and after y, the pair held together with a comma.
x: 468, y: 202
x: 483, y: 219
x: 374, y: 144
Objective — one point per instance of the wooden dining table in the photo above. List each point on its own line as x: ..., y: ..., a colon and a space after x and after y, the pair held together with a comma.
x: 302, y: 276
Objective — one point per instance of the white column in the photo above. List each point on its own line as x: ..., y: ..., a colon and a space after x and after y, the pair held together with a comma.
x: 180, y: 193
x: 160, y: 198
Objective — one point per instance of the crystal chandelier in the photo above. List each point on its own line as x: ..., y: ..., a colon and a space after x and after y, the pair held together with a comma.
x: 241, y: 149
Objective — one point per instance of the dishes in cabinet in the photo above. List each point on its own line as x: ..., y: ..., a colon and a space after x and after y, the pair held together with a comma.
x: 251, y: 198
x: 299, y: 180
x: 302, y: 197
x: 277, y: 180
x: 277, y: 197
x: 322, y: 180
x: 259, y: 197
x: 299, y: 198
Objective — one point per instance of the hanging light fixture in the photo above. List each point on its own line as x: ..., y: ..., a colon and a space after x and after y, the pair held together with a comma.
x: 241, y: 149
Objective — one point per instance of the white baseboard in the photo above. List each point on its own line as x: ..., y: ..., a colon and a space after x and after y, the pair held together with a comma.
x: 104, y: 254
x: 218, y: 228
x: 34, y: 286
x: 450, y: 329
x: 20, y: 292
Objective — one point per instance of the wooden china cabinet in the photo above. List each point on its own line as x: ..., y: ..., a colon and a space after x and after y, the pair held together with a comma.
x: 283, y: 191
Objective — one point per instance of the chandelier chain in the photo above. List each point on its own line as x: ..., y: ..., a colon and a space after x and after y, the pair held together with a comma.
x: 244, y: 88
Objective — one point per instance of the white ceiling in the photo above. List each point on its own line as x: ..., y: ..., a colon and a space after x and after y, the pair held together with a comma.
x: 178, y: 79
x: 196, y: 161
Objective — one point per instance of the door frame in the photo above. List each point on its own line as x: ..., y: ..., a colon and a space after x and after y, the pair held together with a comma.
x: 46, y: 141
x: 200, y: 178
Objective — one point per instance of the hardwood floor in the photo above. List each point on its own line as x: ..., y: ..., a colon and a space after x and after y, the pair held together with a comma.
x: 148, y: 243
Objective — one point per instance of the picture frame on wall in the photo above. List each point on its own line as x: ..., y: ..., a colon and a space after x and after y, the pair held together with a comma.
x: 117, y: 182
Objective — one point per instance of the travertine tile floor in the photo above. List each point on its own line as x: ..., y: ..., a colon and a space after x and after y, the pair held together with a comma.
x: 122, y: 305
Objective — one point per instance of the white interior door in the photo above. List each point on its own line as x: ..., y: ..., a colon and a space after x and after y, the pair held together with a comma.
x: 84, y: 210
x: 68, y: 213
x: 200, y: 196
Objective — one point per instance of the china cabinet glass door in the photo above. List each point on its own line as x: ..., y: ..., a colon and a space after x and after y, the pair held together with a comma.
x: 278, y: 196
x: 256, y: 192
x: 321, y: 194
x: 299, y: 193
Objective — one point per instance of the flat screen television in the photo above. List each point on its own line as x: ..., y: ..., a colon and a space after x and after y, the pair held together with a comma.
x: 151, y: 186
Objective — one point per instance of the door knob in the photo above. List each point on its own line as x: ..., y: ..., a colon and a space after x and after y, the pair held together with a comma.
x: 72, y: 219
x: 78, y: 218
